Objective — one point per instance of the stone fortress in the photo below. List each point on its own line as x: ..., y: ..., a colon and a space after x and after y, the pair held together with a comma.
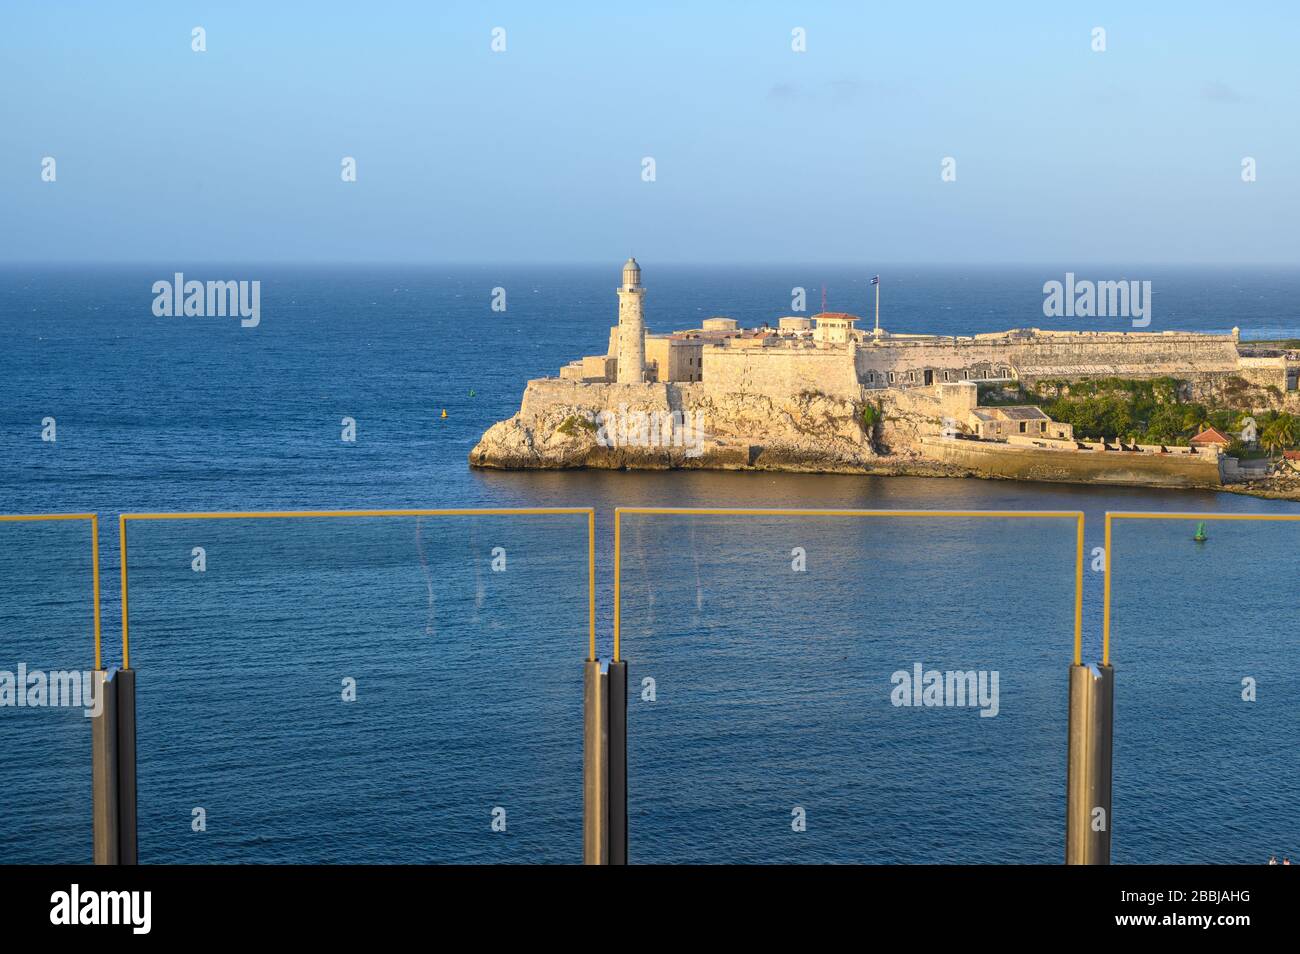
x: 793, y: 397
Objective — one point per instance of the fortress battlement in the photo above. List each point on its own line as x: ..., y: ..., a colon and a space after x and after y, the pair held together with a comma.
x: 827, y: 352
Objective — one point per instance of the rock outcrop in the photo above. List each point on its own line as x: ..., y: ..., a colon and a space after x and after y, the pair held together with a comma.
x: 567, y: 424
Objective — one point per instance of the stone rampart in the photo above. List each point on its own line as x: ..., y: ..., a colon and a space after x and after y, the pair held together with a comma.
x: 1131, y: 468
x: 1084, y: 354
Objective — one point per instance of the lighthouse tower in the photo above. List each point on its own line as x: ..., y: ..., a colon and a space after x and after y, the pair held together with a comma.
x: 631, y: 326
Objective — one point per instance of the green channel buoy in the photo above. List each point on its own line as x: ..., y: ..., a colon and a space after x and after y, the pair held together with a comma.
x: 1200, y: 533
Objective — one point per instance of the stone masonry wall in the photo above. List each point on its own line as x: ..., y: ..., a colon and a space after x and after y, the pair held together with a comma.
x: 1126, y: 355
x: 1091, y: 467
x: 785, y: 371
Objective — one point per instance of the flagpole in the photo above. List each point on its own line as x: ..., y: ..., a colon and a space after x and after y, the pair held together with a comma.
x: 877, y: 306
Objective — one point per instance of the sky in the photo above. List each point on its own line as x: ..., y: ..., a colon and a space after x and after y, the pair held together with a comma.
x: 762, y: 154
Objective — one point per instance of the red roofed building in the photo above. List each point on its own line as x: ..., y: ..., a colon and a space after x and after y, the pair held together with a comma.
x: 1209, y: 437
x: 833, y: 327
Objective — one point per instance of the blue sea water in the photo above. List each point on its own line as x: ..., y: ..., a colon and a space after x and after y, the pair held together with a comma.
x: 771, y: 686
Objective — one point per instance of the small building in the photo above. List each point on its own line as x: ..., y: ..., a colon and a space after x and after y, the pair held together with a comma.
x: 675, y: 357
x: 720, y: 324
x: 592, y: 369
x: 1019, y: 420
x: 962, y: 413
x: 1210, y: 437
x: 795, y: 324
x: 834, y: 327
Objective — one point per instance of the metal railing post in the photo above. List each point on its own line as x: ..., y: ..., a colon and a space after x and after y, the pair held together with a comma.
x: 126, y: 816
x: 103, y: 771
x: 595, y: 754
x: 617, y: 762
x: 112, y: 771
x: 1088, y: 776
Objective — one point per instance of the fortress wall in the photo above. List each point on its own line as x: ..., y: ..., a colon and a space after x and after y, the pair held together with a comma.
x: 782, y: 371
x: 1227, y: 389
x: 1093, y: 467
x: 1139, y: 355
x: 1251, y: 361
x: 543, y: 394
x: 1263, y: 377
x: 1265, y: 372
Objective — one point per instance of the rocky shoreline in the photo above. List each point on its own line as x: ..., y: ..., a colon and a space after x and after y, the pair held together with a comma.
x: 563, y: 425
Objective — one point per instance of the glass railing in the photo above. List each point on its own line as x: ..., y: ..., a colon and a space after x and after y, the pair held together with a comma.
x: 1202, y: 632
x: 359, y: 687
x: 847, y: 686
x: 48, y: 633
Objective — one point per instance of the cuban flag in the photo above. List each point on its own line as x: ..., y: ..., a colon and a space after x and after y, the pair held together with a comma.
x: 876, y: 280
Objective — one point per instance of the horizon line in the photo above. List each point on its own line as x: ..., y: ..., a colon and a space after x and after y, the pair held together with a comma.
x: 656, y: 263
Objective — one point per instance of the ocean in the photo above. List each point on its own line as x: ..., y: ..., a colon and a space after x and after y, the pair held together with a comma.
x: 766, y: 731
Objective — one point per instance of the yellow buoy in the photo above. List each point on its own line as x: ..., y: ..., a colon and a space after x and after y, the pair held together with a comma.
x: 444, y: 413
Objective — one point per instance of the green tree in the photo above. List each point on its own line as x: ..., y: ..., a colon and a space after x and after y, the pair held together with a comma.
x: 1168, y: 424
x: 1279, y: 434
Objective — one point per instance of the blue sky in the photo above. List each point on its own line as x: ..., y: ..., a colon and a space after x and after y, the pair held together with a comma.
x: 1063, y: 155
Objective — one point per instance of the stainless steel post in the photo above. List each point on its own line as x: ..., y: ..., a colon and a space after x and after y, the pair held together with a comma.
x: 1088, y: 778
x: 126, y: 818
x: 103, y: 771
x: 595, y: 754
x: 617, y: 681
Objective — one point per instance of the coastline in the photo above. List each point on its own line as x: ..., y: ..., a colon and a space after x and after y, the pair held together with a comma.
x: 568, y: 425
x: 816, y: 394
x: 885, y: 466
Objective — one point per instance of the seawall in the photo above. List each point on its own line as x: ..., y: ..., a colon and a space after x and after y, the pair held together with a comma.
x: 1125, y: 468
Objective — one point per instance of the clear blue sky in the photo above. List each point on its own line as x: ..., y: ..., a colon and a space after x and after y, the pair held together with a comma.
x: 763, y: 154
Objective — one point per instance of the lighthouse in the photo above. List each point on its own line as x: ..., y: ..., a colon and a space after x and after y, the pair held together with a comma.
x: 631, y: 326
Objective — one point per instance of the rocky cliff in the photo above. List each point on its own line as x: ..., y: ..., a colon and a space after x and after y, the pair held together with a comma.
x: 567, y: 424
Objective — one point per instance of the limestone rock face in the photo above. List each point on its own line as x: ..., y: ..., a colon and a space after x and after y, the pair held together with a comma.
x: 566, y: 424
x: 908, y: 416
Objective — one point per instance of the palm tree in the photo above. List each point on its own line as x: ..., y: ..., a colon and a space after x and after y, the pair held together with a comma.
x: 1279, y: 434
